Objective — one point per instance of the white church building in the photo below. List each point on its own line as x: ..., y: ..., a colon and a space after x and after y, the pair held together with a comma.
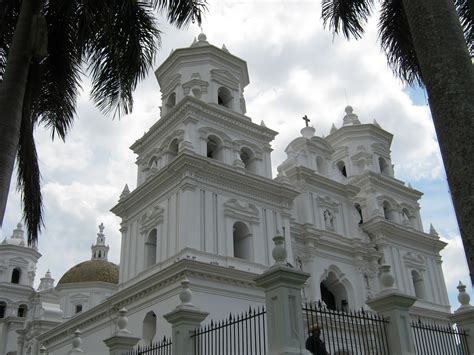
x: 206, y: 208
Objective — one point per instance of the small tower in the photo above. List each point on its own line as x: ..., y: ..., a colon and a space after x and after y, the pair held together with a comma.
x: 100, y: 250
x: 47, y: 282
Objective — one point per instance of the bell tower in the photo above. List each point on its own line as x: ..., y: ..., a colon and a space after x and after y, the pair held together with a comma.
x: 204, y: 182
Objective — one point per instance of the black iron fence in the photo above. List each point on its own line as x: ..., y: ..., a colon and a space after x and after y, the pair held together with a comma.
x: 160, y: 348
x: 436, y: 339
x: 244, y: 334
x: 348, y: 332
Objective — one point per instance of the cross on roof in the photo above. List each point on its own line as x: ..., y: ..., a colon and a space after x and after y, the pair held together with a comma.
x: 101, y: 228
x: 306, y: 119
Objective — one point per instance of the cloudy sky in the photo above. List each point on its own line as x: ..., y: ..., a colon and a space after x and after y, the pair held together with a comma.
x: 296, y: 68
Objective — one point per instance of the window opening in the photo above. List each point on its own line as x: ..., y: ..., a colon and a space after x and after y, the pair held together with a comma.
x: 78, y: 308
x: 149, y: 327
x: 16, y: 276
x: 3, y: 309
x: 242, y: 238
x: 22, y: 311
x: 224, y: 97
x: 150, y: 249
x: 342, y: 168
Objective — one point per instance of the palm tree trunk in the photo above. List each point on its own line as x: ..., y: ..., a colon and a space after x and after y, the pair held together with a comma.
x: 448, y: 74
x: 12, y: 91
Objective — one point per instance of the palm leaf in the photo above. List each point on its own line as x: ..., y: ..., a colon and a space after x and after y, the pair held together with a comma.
x: 181, y: 12
x: 9, y: 10
x: 121, y: 53
x: 396, y: 41
x: 346, y: 16
x: 463, y: 7
x: 28, y: 177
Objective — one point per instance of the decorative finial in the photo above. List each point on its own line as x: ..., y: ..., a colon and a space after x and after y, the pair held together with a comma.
x: 463, y: 296
x: 350, y: 118
x: 333, y: 129
x: 125, y: 192
x: 376, y: 124
x: 202, y: 37
x: 18, y: 232
x: 122, y: 322
x: 279, y: 253
x: 43, y: 350
x: 101, y: 228
x: 263, y: 124
x: 386, y: 278
x: 77, y: 342
x: 433, y: 231
x: 185, y: 295
x: 224, y: 48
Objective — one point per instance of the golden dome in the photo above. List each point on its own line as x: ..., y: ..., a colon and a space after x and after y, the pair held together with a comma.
x: 91, y: 271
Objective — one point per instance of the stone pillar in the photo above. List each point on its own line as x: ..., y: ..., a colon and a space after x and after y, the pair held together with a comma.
x: 282, y: 285
x: 394, y: 307
x: 463, y: 317
x: 184, y: 320
x: 76, y: 343
x: 123, y: 340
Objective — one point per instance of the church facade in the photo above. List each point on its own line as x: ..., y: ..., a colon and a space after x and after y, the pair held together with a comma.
x: 206, y: 208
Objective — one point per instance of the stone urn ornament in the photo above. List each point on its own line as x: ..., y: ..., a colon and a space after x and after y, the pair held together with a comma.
x: 279, y: 253
x: 386, y: 278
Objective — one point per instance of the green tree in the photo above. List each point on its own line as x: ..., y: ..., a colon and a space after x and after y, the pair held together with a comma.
x: 44, y: 47
x: 430, y: 42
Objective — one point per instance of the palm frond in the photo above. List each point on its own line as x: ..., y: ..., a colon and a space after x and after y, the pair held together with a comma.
x: 181, y: 12
x: 396, y: 41
x: 463, y: 7
x: 346, y: 16
x: 60, y: 81
x: 28, y: 177
x: 9, y: 10
x: 121, y: 53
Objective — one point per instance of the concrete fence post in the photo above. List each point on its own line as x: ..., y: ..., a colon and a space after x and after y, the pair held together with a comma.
x: 123, y: 340
x: 463, y: 317
x: 394, y: 307
x: 184, y: 319
x: 282, y: 285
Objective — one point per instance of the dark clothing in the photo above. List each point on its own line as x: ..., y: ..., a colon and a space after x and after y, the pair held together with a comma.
x: 316, y: 346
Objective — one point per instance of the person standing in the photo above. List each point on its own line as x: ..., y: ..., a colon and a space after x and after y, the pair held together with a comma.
x: 314, y: 344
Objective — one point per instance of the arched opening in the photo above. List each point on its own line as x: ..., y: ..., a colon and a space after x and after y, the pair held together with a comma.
x: 418, y: 284
x: 3, y: 309
x: 406, y: 217
x: 321, y: 166
x: 214, y: 148
x: 248, y: 158
x: 153, y: 163
x: 78, y: 308
x: 359, y: 211
x: 388, y: 211
x: 150, y: 249
x: 170, y: 102
x: 224, y: 97
x: 22, y: 309
x: 16, y: 274
x: 383, y: 165
x: 334, y: 293
x: 341, y: 166
x: 149, y: 327
x: 242, y: 238
x: 173, y: 148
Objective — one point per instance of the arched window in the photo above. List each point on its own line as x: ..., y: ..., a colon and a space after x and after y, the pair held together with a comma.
x: 16, y: 273
x: 334, y: 293
x: 22, y: 309
x: 387, y: 211
x: 224, y: 97
x: 149, y: 327
x: 418, y: 284
x: 242, y: 238
x: 248, y: 158
x: 196, y: 92
x: 341, y: 166
x: 383, y: 166
x: 170, y: 102
x: 321, y: 166
x: 406, y: 217
x: 359, y: 210
x: 3, y: 309
x: 150, y: 249
x: 78, y: 308
x: 214, y: 148
x: 153, y: 163
x: 173, y: 148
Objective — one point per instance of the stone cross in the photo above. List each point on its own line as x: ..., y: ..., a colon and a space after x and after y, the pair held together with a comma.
x: 306, y: 119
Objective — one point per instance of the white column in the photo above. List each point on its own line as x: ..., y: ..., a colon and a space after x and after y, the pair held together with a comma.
x: 394, y: 307
x: 123, y: 340
x: 282, y: 286
x: 184, y: 320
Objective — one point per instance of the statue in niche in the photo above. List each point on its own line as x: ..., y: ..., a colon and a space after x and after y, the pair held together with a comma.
x: 328, y: 219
